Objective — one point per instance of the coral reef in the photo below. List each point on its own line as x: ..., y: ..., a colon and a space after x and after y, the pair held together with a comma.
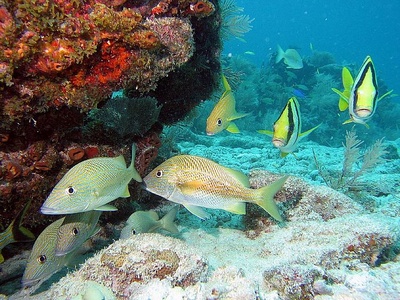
x: 130, y: 267
x: 59, y: 60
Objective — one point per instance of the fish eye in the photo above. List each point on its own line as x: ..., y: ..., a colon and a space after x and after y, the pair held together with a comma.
x: 75, y: 231
x: 42, y: 259
x: 159, y: 173
x: 70, y: 190
x: 133, y: 231
x: 219, y: 122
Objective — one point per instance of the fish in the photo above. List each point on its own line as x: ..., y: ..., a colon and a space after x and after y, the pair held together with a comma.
x: 42, y: 261
x: 15, y: 232
x: 90, y: 185
x: 224, y: 112
x: 148, y: 221
x: 75, y: 230
x: 249, y: 53
x: 286, y: 132
x: 290, y: 57
x: 360, y: 95
x: 197, y: 182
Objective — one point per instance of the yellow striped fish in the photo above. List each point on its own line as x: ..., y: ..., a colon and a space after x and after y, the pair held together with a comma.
x: 90, y: 185
x: 197, y: 182
x: 42, y: 262
x: 15, y: 232
x: 360, y: 95
x: 223, y: 113
x: 287, y: 128
x: 75, y: 230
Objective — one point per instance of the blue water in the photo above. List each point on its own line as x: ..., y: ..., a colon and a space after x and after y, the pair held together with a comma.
x: 350, y: 30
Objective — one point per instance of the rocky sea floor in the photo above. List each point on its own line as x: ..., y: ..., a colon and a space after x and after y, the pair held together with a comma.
x: 331, y: 246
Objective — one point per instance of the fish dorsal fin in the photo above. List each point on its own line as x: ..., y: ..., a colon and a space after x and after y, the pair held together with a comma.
x: 232, y: 128
x: 239, y: 176
x: 267, y: 132
x: 225, y: 83
x: 154, y: 215
x: 197, y: 211
x: 238, y: 208
x: 120, y: 160
x: 190, y: 187
x: 106, y: 207
x: 305, y: 133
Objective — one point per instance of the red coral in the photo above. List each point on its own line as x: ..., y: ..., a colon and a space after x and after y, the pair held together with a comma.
x: 147, y: 151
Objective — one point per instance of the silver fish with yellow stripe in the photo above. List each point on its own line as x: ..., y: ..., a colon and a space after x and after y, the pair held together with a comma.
x: 75, y: 230
x: 286, y: 132
x: 91, y: 184
x: 360, y: 95
x: 224, y: 112
x: 15, y: 232
x: 197, y: 182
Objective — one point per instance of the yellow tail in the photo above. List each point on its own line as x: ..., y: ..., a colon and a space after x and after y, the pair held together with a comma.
x: 266, y: 198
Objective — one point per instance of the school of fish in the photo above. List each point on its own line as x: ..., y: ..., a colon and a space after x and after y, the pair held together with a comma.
x: 194, y: 182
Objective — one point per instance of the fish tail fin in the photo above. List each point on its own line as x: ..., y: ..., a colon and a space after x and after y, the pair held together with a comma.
x: 135, y: 173
x: 167, y: 222
x: 266, y: 198
x: 280, y: 54
x: 17, y: 231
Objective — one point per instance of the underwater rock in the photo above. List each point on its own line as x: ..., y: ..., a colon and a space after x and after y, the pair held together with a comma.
x: 131, y: 266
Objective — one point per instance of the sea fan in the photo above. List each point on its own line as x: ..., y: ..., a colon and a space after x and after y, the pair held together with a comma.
x: 233, y: 23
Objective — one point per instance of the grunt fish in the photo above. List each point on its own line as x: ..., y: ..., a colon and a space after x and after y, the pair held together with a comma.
x: 148, y: 221
x: 75, y: 230
x: 42, y: 262
x: 197, y: 182
x: 360, y: 95
x: 15, y: 232
x: 290, y: 57
x: 287, y: 128
x: 223, y: 113
x: 90, y: 185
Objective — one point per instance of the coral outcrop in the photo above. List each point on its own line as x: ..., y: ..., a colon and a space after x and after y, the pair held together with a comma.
x: 59, y: 60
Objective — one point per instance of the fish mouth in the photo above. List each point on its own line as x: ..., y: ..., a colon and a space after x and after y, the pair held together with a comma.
x: 48, y: 211
x: 278, y: 142
x: 363, y: 112
x: 210, y: 133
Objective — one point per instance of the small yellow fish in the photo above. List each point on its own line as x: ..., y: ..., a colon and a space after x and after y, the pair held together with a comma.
x: 15, y: 232
x: 75, y: 230
x: 360, y: 95
x: 148, y: 221
x: 42, y: 262
x: 197, y: 182
x: 287, y: 128
x: 224, y: 113
x: 90, y: 185
x: 290, y: 57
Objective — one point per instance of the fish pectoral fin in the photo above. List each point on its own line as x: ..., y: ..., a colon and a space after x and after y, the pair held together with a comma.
x: 284, y: 154
x: 232, y: 128
x: 190, y: 187
x: 237, y: 115
x: 305, y: 133
x: 106, y: 207
x: 385, y: 95
x: 267, y: 132
x: 238, y: 208
x: 343, y: 100
x: 197, y: 211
